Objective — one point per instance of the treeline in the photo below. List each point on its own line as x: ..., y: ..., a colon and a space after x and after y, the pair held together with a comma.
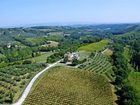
x: 136, y: 55
x: 15, y: 54
x: 22, y: 39
x: 55, y: 57
x: 133, y: 40
x: 126, y: 94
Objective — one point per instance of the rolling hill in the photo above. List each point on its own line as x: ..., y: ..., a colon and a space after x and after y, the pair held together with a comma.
x: 70, y: 86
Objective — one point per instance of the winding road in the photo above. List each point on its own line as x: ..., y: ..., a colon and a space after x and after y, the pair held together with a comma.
x: 28, y: 88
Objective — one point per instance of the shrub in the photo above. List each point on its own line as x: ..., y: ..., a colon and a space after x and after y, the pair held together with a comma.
x: 27, y: 62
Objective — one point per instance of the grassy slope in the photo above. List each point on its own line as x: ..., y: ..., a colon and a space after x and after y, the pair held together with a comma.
x: 42, y: 58
x: 94, y: 46
x: 67, y: 86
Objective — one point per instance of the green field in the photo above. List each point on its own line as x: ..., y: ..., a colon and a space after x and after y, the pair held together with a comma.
x: 94, y: 46
x: 69, y: 86
x: 42, y: 58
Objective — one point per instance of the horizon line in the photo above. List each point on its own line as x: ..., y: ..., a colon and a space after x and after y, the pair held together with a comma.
x: 65, y: 24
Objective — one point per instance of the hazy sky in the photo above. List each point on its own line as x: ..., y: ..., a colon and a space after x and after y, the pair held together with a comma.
x: 23, y: 12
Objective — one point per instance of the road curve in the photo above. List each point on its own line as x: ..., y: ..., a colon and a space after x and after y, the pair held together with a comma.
x: 28, y: 88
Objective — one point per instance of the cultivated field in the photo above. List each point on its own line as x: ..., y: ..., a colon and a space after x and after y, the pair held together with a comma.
x: 69, y: 86
x: 94, y: 46
x: 13, y: 80
x: 99, y: 64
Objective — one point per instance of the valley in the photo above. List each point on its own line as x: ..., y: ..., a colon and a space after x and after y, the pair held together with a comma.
x: 98, y: 67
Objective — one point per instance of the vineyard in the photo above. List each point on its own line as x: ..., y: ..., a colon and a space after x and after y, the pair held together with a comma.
x: 99, y: 64
x: 70, y: 86
x: 13, y: 80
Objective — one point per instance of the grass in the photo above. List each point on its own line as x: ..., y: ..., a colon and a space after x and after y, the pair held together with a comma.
x: 69, y: 86
x: 108, y: 52
x: 94, y: 46
x: 38, y: 59
x: 83, y: 55
x: 42, y: 58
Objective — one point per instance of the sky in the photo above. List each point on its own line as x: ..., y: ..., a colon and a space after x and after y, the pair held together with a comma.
x: 53, y: 12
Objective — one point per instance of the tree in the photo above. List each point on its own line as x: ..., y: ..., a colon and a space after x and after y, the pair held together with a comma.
x: 75, y: 62
x: 27, y: 62
x: 128, y: 96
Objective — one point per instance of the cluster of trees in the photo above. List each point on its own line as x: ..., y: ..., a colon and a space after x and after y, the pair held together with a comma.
x: 14, y: 54
x: 23, y: 41
x: 37, y: 41
x: 136, y: 54
x: 126, y: 94
x: 55, y: 57
x: 44, y: 49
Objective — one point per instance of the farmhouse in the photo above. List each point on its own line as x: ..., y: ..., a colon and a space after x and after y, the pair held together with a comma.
x: 69, y: 57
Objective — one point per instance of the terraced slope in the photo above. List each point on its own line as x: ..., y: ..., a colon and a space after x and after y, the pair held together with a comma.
x: 70, y: 86
x: 99, y: 64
